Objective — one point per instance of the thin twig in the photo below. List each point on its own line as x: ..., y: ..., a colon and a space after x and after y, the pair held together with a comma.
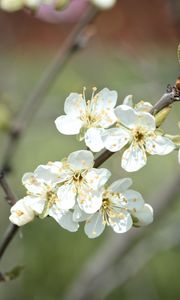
x: 71, y: 44
x: 166, y: 100
x: 7, y: 238
x: 9, y: 195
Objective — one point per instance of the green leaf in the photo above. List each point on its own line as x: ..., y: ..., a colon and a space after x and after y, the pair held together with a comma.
x: 161, y: 116
x: 13, y: 274
x: 174, y: 138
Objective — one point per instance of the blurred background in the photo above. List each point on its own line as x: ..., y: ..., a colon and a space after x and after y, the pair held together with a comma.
x: 132, y: 49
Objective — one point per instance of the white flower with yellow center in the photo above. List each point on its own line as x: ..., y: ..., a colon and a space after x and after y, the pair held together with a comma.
x: 119, y: 207
x: 21, y: 213
x: 42, y: 194
x: 137, y: 130
x: 83, y: 183
x: 90, y: 118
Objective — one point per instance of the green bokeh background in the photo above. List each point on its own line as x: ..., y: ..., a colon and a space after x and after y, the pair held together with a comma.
x: 52, y: 256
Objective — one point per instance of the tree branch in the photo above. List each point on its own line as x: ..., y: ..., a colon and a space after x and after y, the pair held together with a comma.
x: 71, y: 44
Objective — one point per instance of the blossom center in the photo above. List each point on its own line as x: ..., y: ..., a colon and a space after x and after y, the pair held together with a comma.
x: 51, y: 197
x: 138, y: 135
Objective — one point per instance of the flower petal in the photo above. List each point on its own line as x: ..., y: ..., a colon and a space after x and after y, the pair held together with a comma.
x: 75, y: 105
x: 126, y: 116
x: 108, y: 118
x: 89, y: 201
x: 66, y: 221
x: 79, y: 215
x: 143, y: 106
x: 105, y: 99
x: 43, y: 174
x: 120, y: 185
x: 134, y: 158
x: 94, y: 140
x: 123, y: 223
x: 96, y: 178
x: 94, y: 226
x: 67, y: 196
x: 146, y: 121
x: 128, y: 100
x: 32, y: 184
x: 68, y: 125
x: 115, y: 138
x: 144, y: 216
x: 80, y: 160
x: 159, y: 145
x: 134, y: 199
x: 36, y: 203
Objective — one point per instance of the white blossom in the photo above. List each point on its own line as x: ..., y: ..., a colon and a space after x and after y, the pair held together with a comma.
x: 21, y: 213
x: 136, y: 131
x: 42, y: 187
x: 83, y: 183
x: 88, y: 118
x: 119, y: 207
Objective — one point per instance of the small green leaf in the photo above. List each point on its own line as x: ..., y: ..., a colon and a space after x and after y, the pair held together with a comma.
x: 13, y: 274
x: 174, y: 138
x: 161, y: 116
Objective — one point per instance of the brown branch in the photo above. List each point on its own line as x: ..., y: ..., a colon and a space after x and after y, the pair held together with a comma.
x: 71, y: 44
x: 9, y: 195
x: 7, y: 238
x: 166, y: 100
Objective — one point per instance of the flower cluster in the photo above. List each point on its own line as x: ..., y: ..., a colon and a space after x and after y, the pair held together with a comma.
x: 133, y: 130
x: 13, y: 5
x: 72, y: 191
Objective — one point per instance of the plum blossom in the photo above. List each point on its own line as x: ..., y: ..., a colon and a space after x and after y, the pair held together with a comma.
x: 88, y: 118
x: 21, y: 213
x: 104, y: 4
x: 137, y: 131
x: 42, y: 194
x: 120, y: 207
x: 83, y: 183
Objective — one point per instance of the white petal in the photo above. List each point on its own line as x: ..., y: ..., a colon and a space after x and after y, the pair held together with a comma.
x: 146, y: 121
x: 134, y: 200
x: 96, y: 178
x: 81, y: 159
x: 143, y: 106
x: 43, y: 174
x: 108, y: 118
x: 115, y: 138
x: 21, y: 213
x: 134, y: 158
x: 159, y: 145
x: 67, y: 196
x: 75, y: 105
x: 105, y: 99
x: 120, y: 185
x: 55, y: 212
x: 144, y: 216
x: 123, y: 223
x: 89, y: 202
x: 126, y: 116
x: 79, y: 215
x: 68, y: 125
x: 32, y: 184
x: 36, y: 203
x: 66, y: 221
x: 94, y: 226
x: 128, y: 100
x: 93, y: 139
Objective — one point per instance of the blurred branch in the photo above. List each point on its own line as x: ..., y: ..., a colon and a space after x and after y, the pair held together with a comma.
x: 74, y: 41
x: 9, y: 195
x: 11, y: 199
x: 7, y: 238
x: 93, y: 274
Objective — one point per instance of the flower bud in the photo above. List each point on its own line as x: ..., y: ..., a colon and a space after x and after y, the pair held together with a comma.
x: 162, y: 115
x: 11, y: 5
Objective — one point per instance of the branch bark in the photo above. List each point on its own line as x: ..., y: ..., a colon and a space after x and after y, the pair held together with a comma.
x: 71, y: 44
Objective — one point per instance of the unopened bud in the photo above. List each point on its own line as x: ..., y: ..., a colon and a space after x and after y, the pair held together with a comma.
x: 162, y: 115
